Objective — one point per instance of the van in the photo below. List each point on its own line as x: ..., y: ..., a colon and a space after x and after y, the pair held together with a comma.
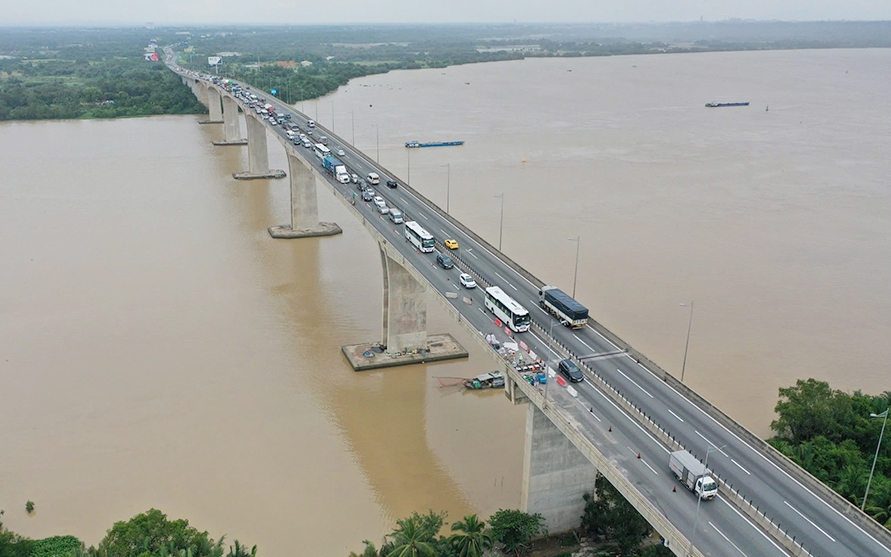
x: 323, y: 140
x: 373, y: 178
x: 571, y: 371
x: 444, y: 261
x: 307, y: 143
x: 396, y: 216
x: 310, y: 123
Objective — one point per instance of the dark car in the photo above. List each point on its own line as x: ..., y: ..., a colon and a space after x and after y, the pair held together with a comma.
x: 571, y: 371
x: 367, y: 194
x: 391, y: 183
x: 444, y: 261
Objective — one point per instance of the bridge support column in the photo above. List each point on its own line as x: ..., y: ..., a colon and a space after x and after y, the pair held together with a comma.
x: 231, y: 127
x: 555, y: 474
x: 213, y: 105
x: 304, y: 204
x: 405, y: 308
x: 258, y: 153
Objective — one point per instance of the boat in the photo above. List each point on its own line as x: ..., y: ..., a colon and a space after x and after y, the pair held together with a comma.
x: 415, y: 144
x: 491, y: 380
x: 718, y: 105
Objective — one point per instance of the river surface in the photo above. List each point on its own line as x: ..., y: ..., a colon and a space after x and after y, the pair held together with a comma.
x: 160, y: 350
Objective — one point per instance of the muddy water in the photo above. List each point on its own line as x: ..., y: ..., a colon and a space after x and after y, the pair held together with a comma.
x: 159, y: 349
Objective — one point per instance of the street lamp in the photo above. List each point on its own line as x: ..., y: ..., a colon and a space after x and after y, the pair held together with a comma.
x: 408, y: 178
x: 548, y: 364
x: 448, y: 185
x: 709, y: 450
x: 377, y: 137
x: 353, y: 126
x: 332, y: 115
x: 501, y: 221
x: 687, y: 344
x: 578, y: 243
x: 884, y: 416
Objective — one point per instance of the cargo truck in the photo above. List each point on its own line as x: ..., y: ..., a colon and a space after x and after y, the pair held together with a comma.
x: 337, y: 169
x: 693, y: 474
x: 559, y: 303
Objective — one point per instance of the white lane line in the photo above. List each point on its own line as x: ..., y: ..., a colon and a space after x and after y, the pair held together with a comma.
x: 403, y: 199
x: 512, y: 286
x: 644, y: 462
x: 757, y: 529
x: 809, y: 520
x: 648, y: 466
x: 707, y: 440
x: 590, y: 409
x: 629, y: 418
x: 543, y: 343
x: 539, y: 309
x: 726, y: 538
x: 501, y: 277
x: 740, y: 467
x: 471, y: 253
x: 456, y: 286
x: 675, y: 415
x: 423, y: 215
x: 635, y: 383
x: 585, y: 343
x: 443, y: 232
x: 481, y: 311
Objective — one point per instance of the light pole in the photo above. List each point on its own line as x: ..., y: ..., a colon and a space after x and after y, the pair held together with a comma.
x: 377, y: 138
x: 501, y: 221
x: 353, y: 126
x: 687, y: 344
x: 448, y: 185
x: 884, y: 416
x: 408, y: 178
x: 578, y: 243
x: 709, y: 450
x: 332, y: 115
x: 548, y: 364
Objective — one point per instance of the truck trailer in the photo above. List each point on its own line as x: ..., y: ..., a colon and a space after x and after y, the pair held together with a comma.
x: 559, y: 303
x: 337, y: 169
x: 693, y: 474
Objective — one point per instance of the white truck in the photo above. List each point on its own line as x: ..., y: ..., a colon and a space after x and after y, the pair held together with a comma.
x: 693, y: 474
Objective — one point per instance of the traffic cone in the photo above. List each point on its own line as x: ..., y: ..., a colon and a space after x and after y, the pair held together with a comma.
x: 610, y: 428
x: 674, y: 489
x: 638, y: 455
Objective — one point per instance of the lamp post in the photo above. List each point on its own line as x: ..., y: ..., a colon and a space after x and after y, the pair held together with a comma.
x: 884, y: 416
x: 332, y: 115
x: 377, y: 138
x: 448, y: 185
x: 548, y: 364
x: 709, y: 450
x: 501, y: 221
x: 408, y: 177
x: 687, y: 344
x: 578, y: 243
x: 353, y: 126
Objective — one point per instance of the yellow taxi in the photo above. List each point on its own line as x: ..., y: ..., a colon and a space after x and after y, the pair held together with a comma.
x: 451, y: 243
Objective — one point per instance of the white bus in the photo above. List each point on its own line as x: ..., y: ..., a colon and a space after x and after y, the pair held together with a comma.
x: 507, y: 309
x: 321, y: 151
x: 419, y: 237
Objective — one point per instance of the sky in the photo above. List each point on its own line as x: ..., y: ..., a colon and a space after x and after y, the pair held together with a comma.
x: 197, y: 12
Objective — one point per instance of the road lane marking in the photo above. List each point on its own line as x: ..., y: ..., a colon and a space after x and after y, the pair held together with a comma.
x: 809, y: 520
x: 471, y: 253
x: 590, y: 409
x: 501, y: 277
x: 543, y: 343
x: 740, y: 467
x: 422, y: 215
x: 403, y: 200
x: 635, y: 383
x: 481, y: 311
x: 539, y: 309
x: 644, y: 462
x: 707, y: 440
x: 726, y: 538
x: 443, y: 232
x: 585, y: 343
x: 756, y: 528
x: 675, y: 415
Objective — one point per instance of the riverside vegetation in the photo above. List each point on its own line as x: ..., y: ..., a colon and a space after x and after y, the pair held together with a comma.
x: 48, y: 73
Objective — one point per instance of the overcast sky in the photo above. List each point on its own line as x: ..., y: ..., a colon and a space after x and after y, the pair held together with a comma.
x: 176, y: 12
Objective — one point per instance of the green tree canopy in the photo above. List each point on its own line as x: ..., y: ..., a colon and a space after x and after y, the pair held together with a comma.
x: 515, y: 528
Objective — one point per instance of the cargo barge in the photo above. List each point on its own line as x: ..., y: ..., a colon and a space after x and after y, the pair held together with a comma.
x: 719, y: 105
x: 415, y: 144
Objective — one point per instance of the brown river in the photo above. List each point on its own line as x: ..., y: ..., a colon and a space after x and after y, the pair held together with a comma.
x: 159, y: 349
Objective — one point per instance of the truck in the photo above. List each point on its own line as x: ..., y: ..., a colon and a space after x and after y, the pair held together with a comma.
x: 336, y: 169
x: 693, y: 474
x: 559, y: 303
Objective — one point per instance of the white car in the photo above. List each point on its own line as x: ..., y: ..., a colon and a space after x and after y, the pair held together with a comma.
x: 340, y: 153
x: 467, y: 281
x: 379, y: 201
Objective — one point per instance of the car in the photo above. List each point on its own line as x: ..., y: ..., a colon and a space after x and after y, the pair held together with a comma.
x: 308, y: 132
x: 340, y: 153
x: 382, y: 209
x: 444, y: 261
x: 467, y: 281
x: 451, y: 243
x: 373, y: 178
x: 571, y: 371
x: 367, y: 195
x: 396, y: 216
x: 379, y: 201
x: 391, y: 183
x: 354, y: 178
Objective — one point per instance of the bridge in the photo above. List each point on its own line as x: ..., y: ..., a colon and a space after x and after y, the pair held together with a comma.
x: 622, y: 421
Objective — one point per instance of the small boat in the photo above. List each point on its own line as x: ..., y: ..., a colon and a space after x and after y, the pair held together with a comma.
x: 491, y: 380
x: 719, y: 105
x: 416, y: 144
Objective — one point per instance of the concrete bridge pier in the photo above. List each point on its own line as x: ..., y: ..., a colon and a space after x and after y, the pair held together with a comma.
x: 258, y: 153
x: 555, y: 474
x: 304, y: 204
x: 404, y: 338
x: 231, y: 127
x: 213, y: 105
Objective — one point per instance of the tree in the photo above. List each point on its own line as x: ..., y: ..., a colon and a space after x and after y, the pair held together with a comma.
x: 151, y: 533
x: 413, y: 537
x: 14, y: 545
x: 472, y: 538
x: 515, y: 528
x: 812, y: 408
x: 610, y: 515
x: 370, y: 550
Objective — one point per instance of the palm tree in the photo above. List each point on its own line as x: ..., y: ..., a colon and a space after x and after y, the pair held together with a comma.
x: 410, y: 539
x: 471, y: 538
